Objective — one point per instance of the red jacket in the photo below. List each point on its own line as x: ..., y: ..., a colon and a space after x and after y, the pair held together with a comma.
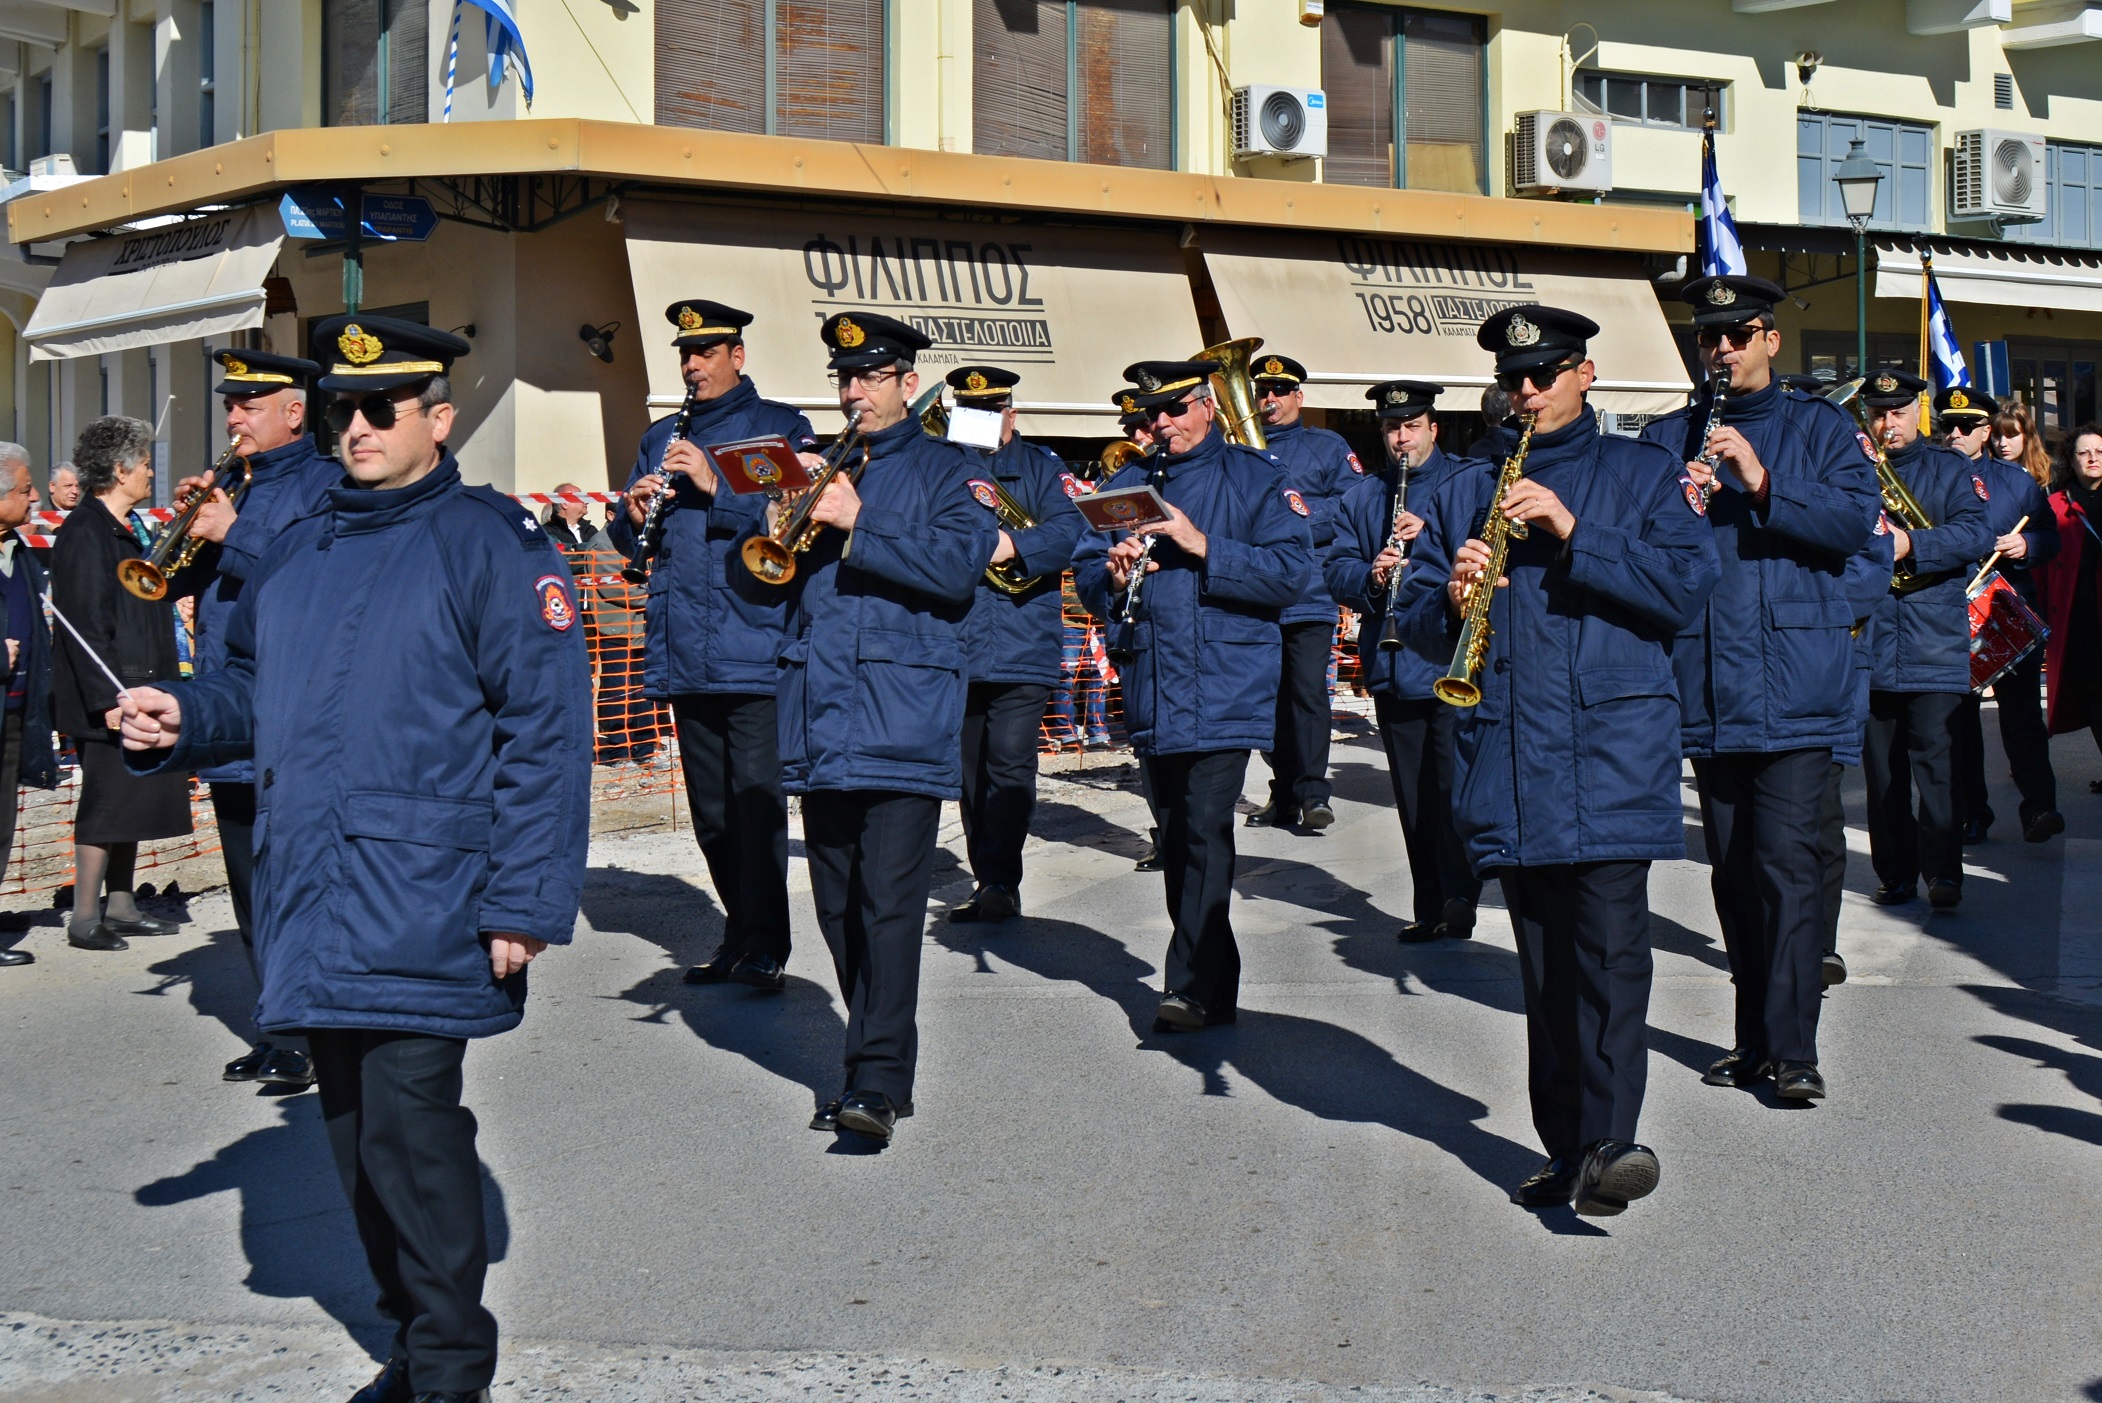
x: 2057, y: 581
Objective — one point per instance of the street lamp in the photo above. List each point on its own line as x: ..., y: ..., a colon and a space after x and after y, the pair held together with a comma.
x: 1857, y: 178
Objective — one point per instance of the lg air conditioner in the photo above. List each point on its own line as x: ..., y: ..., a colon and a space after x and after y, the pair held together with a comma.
x: 1998, y: 175
x: 1556, y: 151
x: 1287, y: 122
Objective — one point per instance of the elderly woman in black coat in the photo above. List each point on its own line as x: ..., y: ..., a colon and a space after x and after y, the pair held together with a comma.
x: 136, y: 639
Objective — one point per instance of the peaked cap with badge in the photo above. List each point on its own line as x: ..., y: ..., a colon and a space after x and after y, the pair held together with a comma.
x: 1960, y: 402
x: 261, y: 372
x: 1731, y: 300
x: 1891, y: 389
x: 1282, y: 370
x: 702, y: 324
x: 986, y: 386
x: 865, y: 340
x: 382, y: 353
x: 1404, y: 399
x: 1159, y: 382
x: 1524, y: 337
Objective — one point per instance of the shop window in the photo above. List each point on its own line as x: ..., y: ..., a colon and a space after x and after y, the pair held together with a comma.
x: 1904, y: 152
x: 102, y: 108
x: 44, y: 123
x: 2072, y: 199
x: 1404, y: 99
x: 1829, y: 355
x: 1074, y: 80
x: 375, y: 57
x: 811, y: 68
x: 1680, y: 103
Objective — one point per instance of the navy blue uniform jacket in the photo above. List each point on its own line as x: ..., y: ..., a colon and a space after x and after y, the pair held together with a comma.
x: 1364, y: 522
x: 1921, y: 641
x: 290, y: 482
x: 407, y: 671
x: 872, y: 671
x: 1573, y: 754
x: 39, y: 768
x: 1018, y: 638
x: 1322, y: 470
x: 1207, y: 642
x: 708, y: 624
x: 2013, y: 494
x: 1768, y: 663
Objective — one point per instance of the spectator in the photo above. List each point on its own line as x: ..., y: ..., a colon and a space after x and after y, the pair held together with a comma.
x: 567, y: 527
x: 2073, y: 656
x: 2015, y: 438
x: 628, y: 722
x: 65, y: 487
x: 135, y: 638
x: 25, y: 743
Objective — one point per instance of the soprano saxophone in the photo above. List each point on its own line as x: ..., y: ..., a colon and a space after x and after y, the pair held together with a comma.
x: 1459, y: 687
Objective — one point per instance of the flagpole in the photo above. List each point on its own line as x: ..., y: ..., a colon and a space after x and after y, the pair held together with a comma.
x: 1926, y: 314
x: 452, y: 60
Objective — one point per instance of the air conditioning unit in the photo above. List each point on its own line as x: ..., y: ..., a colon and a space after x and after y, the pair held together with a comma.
x: 1556, y: 151
x: 1998, y: 175
x: 1287, y: 122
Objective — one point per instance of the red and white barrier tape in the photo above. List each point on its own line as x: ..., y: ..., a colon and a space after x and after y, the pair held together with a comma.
x: 41, y: 540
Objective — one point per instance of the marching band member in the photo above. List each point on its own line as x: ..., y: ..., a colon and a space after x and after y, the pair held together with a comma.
x: 1415, y: 728
x: 1921, y: 640
x: 710, y: 635
x: 872, y: 703
x: 1012, y: 645
x: 1200, y: 691
x: 1319, y: 469
x: 1566, y: 774
x: 1766, y: 669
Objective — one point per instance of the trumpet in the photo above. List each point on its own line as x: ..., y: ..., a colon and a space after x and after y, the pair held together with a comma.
x: 174, y: 548
x: 1898, y: 501
x: 649, y: 537
x: 772, y: 557
x: 1460, y: 685
x: 1007, y: 577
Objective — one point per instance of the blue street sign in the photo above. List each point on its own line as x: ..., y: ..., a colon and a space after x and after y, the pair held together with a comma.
x: 313, y: 214
x: 406, y: 218
x: 1989, y: 368
x: 317, y: 214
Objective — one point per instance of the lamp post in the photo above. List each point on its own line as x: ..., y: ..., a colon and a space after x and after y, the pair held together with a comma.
x: 1857, y: 178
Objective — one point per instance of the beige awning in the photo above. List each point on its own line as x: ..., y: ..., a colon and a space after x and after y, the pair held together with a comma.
x: 176, y: 282
x: 1066, y: 308
x: 1356, y: 310
x: 2009, y: 277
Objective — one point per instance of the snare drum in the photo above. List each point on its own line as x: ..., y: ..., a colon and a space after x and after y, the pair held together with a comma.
x: 2004, y: 630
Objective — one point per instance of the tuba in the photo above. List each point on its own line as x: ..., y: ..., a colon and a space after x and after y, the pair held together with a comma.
x: 1459, y: 686
x: 1898, y: 502
x: 1234, y: 387
x: 174, y: 548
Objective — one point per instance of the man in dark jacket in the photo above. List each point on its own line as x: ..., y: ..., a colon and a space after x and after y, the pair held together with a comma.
x: 26, y: 754
x: 1920, y: 642
x: 1011, y: 645
x: 711, y: 633
x: 265, y: 397
x: 1319, y: 469
x: 1200, y: 683
x: 872, y: 701
x: 1766, y: 669
x: 407, y: 671
x: 1415, y: 728
x: 1566, y: 774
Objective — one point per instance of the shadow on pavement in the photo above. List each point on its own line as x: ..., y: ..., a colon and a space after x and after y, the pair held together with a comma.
x: 2080, y: 1022
x: 220, y: 980
x: 671, y: 913
x: 795, y: 1035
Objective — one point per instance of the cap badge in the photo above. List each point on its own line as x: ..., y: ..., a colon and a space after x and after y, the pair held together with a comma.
x: 1273, y: 366
x: 974, y: 381
x: 1522, y: 332
x: 848, y: 335
x: 1722, y: 295
x: 1148, y: 381
x: 235, y: 366
x: 689, y: 319
x: 359, y: 346
x: 1130, y: 405
x: 1397, y: 397
x: 1959, y: 400
x: 1886, y: 384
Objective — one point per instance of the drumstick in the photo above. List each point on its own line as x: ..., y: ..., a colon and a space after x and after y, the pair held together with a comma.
x: 1993, y: 559
x: 123, y: 692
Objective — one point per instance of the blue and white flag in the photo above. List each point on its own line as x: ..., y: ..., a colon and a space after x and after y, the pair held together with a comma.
x: 1722, y: 254
x: 1944, y: 352
x: 505, y: 42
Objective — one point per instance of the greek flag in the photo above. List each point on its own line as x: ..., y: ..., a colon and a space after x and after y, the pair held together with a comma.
x: 1944, y: 352
x: 505, y: 42
x: 1722, y: 255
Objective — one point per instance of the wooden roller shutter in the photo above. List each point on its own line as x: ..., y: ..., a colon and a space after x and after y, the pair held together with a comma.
x: 828, y: 69
x: 1122, y: 53
x: 350, y: 58
x: 1018, y: 78
x: 1441, y: 87
x: 711, y: 64
x: 408, y: 61
x: 1357, y: 73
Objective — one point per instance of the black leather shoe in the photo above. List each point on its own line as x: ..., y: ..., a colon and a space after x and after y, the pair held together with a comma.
x: 868, y: 1113
x: 1834, y: 970
x: 2041, y: 828
x: 1944, y: 895
x: 1894, y: 893
x: 96, y: 937
x: 480, y: 1395
x: 1317, y: 817
x: 1271, y: 816
x: 827, y: 1116
x: 389, y: 1385
x: 1459, y: 919
x: 144, y: 925
x: 1149, y: 860
x: 716, y: 969
x: 1178, y: 1013
x: 286, y: 1066
x: 1614, y: 1175
x: 990, y: 905
x: 758, y: 972
x: 1975, y: 829
x: 1420, y: 932
x: 1549, y: 1186
x: 16, y: 957
x: 1740, y: 1066
x: 244, y: 1067
x: 1798, y: 1081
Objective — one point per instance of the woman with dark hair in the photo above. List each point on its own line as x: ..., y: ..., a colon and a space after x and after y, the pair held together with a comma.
x: 2015, y: 439
x: 2073, y: 657
x: 136, y: 639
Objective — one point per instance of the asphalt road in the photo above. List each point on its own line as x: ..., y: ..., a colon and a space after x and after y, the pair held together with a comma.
x: 1309, y: 1206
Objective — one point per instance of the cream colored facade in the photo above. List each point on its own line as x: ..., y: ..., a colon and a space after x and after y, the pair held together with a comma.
x: 538, y: 410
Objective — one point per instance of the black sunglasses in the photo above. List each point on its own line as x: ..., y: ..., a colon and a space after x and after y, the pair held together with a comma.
x: 1709, y: 337
x: 380, y: 411
x: 1512, y: 380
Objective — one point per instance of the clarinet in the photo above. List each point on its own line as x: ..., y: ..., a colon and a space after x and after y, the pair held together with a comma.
x: 1390, y: 631
x: 1718, y: 392
x: 1121, y: 650
x: 649, y: 538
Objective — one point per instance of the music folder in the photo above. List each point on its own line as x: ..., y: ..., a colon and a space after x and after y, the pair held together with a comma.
x: 765, y: 464
x: 1125, y: 509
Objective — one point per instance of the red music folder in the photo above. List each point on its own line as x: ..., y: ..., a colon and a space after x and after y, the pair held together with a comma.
x: 765, y: 464
x: 1125, y: 509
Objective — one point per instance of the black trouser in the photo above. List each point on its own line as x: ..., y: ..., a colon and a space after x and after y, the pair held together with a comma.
x: 1194, y: 795
x: 731, y: 752
x: 1299, y: 754
x: 1909, y: 745
x: 1418, y: 740
x: 404, y: 1146
x: 1584, y: 957
x: 233, y: 807
x: 1832, y: 839
x: 871, y: 855
x: 1760, y: 815
x: 1001, y: 721
x: 10, y: 784
x: 2023, y: 737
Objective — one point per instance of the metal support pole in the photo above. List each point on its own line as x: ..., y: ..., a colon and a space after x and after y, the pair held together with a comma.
x: 1860, y: 300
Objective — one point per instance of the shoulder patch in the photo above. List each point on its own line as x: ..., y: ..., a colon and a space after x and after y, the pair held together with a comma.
x: 983, y: 491
x: 530, y: 536
x: 1868, y: 445
x: 1882, y: 523
x: 555, y: 606
x: 1355, y: 465
x: 1978, y: 486
x: 1073, y: 486
x: 1693, y: 495
x: 1296, y: 502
